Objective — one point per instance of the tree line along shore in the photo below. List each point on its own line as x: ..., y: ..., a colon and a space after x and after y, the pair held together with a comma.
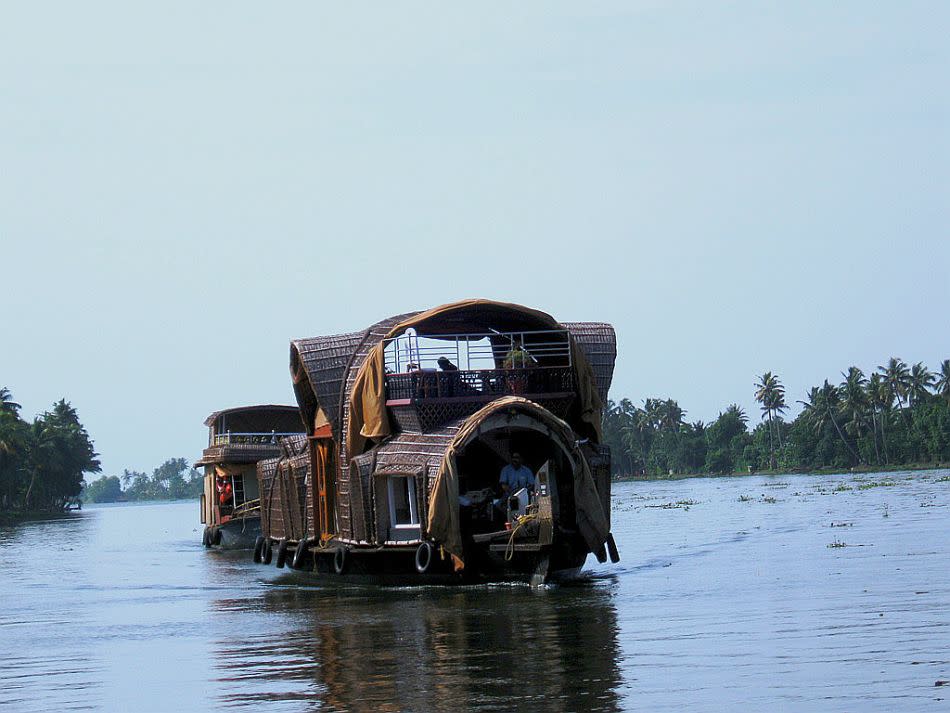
x: 44, y: 465
x: 897, y: 416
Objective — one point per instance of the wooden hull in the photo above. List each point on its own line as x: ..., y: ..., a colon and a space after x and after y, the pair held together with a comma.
x: 237, y: 534
x: 397, y: 565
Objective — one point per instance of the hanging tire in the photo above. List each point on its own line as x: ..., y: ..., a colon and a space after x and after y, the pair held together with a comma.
x: 267, y: 552
x: 300, y: 554
x: 282, y: 547
x: 340, y: 560
x: 206, y: 537
x: 215, y: 537
x: 258, y: 546
x: 423, y: 557
x: 612, y: 549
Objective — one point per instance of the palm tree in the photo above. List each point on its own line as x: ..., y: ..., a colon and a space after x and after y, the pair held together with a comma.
x: 897, y: 377
x: 920, y: 382
x: 7, y: 403
x: 771, y: 394
x: 778, y: 407
x: 942, y: 385
x: 638, y: 434
x: 821, y: 407
x: 736, y: 410
x: 671, y: 415
x: 880, y: 400
x: 854, y: 403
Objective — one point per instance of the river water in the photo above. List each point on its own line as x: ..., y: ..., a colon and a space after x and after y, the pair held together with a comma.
x: 788, y: 593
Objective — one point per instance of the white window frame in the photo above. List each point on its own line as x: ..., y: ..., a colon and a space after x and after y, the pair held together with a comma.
x: 414, y: 523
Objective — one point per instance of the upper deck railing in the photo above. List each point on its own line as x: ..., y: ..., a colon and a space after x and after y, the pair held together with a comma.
x: 474, y: 351
x: 232, y: 438
x: 477, y: 366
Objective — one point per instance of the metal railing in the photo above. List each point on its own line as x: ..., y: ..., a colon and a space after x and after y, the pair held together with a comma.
x: 478, y: 384
x: 231, y: 438
x: 476, y: 351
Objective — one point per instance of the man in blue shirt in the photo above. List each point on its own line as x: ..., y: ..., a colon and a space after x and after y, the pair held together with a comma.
x: 515, y: 476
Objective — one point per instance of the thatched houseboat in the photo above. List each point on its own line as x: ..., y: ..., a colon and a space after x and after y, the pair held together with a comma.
x: 459, y: 443
x: 237, y: 439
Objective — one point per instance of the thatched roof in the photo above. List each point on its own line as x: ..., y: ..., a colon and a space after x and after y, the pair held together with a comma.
x: 599, y: 343
x: 324, y: 369
x: 254, y: 412
x: 319, y: 367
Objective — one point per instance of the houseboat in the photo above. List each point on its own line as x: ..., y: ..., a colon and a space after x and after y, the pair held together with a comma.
x: 457, y: 444
x: 237, y: 439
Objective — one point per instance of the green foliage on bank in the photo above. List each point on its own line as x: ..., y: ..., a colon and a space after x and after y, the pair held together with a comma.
x: 42, y: 463
x: 174, y: 479
x: 899, y: 415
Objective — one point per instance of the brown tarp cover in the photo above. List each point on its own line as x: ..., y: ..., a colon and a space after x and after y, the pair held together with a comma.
x: 443, y: 520
x: 367, y: 414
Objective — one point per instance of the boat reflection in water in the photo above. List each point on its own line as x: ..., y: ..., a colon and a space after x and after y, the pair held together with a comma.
x: 474, y: 648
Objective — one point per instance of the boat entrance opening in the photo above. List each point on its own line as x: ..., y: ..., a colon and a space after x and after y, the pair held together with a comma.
x: 508, y: 519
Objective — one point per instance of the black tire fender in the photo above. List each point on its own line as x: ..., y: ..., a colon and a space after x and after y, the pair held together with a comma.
x: 612, y: 549
x: 341, y: 560
x: 300, y: 554
x: 258, y: 547
x: 215, y: 538
x: 282, y: 548
x: 206, y: 537
x: 424, y: 557
x: 267, y: 552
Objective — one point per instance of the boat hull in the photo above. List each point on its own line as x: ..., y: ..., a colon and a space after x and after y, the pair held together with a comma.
x: 397, y: 566
x: 237, y: 534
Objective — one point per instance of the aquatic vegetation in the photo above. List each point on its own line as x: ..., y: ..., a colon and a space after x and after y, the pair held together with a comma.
x: 842, y: 524
x: 769, y: 500
x: 842, y: 488
x: 745, y: 498
x: 877, y: 484
x: 679, y: 504
x: 837, y: 543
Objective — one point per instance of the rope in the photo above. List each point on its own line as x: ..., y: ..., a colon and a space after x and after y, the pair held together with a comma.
x: 522, y: 521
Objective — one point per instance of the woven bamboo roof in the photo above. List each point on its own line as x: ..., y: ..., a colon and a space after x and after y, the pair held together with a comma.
x: 325, y: 368
x: 259, y: 409
x: 319, y: 367
x: 599, y: 343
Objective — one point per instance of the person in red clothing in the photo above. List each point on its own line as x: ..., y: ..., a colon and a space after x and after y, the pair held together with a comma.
x: 225, y: 492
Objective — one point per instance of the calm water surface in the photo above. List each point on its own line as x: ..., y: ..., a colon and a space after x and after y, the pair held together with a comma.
x: 730, y: 595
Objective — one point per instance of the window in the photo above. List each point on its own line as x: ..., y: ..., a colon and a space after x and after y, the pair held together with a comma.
x: 402, y: 502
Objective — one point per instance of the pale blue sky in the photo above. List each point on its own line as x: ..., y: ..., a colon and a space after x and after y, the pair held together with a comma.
x: 737, y: 187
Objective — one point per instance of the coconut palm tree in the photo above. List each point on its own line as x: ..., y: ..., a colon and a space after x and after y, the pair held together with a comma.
x: 942, y: 385
x: 672, y: 415
x: 771, y: 394
x: 7, y: 403
x: 821, y: 407
x: 854, y: 402
x: 736, y: 410
x: 897, y: 377
x: 880, y: 400
x: 920, y: 383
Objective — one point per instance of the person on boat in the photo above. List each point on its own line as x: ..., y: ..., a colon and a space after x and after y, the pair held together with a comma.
x: 225, y: 492
x: 518, y: 357
x: 446, y: 365
x: 515, y: 476
x: 448, y: 380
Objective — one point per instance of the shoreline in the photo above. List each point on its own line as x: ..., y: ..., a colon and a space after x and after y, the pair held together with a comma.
x: 914, y: 467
